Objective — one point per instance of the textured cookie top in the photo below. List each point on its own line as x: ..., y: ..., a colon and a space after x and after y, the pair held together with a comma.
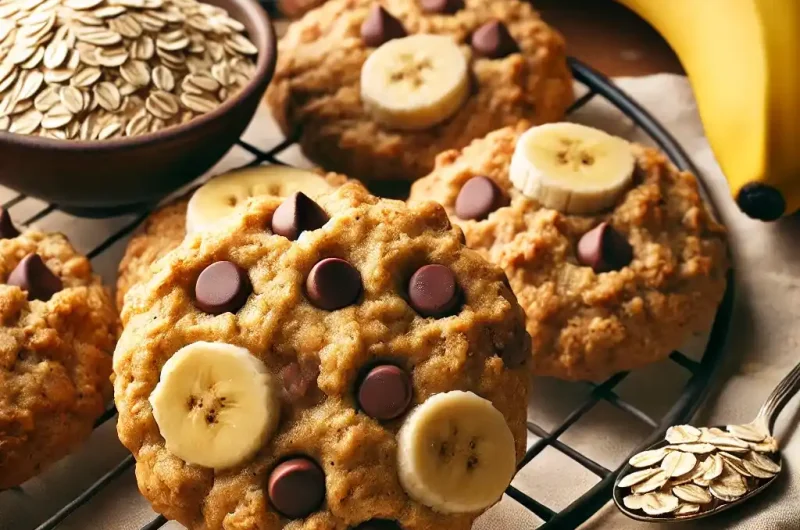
x: 161, y: 232
x: 319, y: 356
x: 317, y: 84
x: 588, y: 325
x: 55, y: 357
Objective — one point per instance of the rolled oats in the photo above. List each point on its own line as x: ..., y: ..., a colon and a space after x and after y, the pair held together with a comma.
x: 674, y: 472
x: 659, y: 503
x: 99, y: 69
x: 686, y: 508
x: 678, y: 463
x: 692, y: 493
x: 748, y: 433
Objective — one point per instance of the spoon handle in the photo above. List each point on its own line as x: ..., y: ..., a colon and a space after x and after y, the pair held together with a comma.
x: 778, y: 399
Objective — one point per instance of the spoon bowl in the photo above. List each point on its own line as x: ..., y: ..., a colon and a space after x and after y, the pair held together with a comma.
x: 724, y: 441
x: 716, y: 506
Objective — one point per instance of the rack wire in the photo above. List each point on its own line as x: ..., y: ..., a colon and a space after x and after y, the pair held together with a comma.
x: 582, y: 508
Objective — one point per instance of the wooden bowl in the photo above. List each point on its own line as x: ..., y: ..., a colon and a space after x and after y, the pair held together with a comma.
x: 103, y: 177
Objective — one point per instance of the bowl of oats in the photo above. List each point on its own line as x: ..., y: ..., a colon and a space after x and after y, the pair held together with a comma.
x: 108, y: 105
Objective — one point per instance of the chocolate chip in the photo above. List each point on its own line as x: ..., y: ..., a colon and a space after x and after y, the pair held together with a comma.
x: 223, y: 287
x: 604, y: 249
x: 296, y: 488
x: 380, y: 27
x: 515, y: 354
x: 385, y: 392
x: 7, y: 228
x: 379, y: 524
x: 479, y: 197
x: 333, y: 284
x: 433, y: 291
x: 493, y: 40
x: 32, y: 275
x: 442, y: 6
x: 297, y: 214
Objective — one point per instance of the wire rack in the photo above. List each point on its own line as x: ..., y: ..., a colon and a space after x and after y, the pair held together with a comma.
x: 589, y: 502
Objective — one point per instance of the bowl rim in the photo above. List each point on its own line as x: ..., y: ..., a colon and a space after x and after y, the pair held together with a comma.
x: 265, y: 68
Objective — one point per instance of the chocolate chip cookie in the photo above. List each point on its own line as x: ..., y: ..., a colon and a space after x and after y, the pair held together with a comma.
x: 296, y: 8
x: 376, y: 89
x: 622, y: 266
x: 58, y: 333
x: 165, y: 228
x: 343, y: 362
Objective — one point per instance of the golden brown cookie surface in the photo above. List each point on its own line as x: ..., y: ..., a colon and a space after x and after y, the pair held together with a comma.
x: 319, y: 356
x: 588, y: 325
x: 295, y: 8
x: 317, y: 84
x: 160, y: 233
x: 55, y: 354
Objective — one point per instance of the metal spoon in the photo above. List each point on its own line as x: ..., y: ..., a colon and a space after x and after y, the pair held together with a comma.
x: 763, y: 423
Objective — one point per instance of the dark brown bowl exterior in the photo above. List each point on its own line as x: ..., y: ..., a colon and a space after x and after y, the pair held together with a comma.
x: 119, y: 174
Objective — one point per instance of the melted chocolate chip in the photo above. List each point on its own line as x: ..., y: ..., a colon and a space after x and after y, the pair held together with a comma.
x: 493, y: 40
x: 433, y: 291
x: 380, y: 27
x: 333, y: 284
x: 297, y: 214
x: 604, y: 249
x: 32, y: 275
x: 7, y: 228
x: 222, y: 287
x: 479, y: 197
x: 442, y: 6
x: 385, y: 392
x: 379, y: 524
x: 296, y: 487
x: 514, y: 355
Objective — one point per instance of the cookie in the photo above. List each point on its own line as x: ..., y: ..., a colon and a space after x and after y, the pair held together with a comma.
x: 162, y: 231
x: 165, y: 228
x: 604, y: 291
x: 369, y: 372
x: 58, y: 334
x: 376, y: 89
x: 296, y: 8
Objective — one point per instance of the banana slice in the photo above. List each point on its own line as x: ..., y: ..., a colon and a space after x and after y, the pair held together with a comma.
x: 572, y: 168
x: 215, y: 405
x: 415, y: 82
x: 456, y: 453
x: 219, y: 196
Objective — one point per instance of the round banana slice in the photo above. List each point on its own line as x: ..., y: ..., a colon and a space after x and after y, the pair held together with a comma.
x: 221, y: 195
x: 415, y: 82
x: 456, y: 453
x: 572, y: 168
x: 215, y: 405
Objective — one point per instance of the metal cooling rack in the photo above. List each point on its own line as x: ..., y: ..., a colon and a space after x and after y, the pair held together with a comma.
x: 582, y: 508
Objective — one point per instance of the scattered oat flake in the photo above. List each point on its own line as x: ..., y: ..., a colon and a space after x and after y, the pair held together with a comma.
x: 659, y: 503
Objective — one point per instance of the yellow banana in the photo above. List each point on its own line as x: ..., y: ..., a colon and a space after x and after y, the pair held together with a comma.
x: 743, y: 60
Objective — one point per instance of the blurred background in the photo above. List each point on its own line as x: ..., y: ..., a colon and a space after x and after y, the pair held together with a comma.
x: 602, y: 33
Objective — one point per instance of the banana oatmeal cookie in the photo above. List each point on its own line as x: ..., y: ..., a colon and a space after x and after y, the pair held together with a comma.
x: 377, y: 89
x: 295, y: 8
x: 165, y: 228
x: 162, y: 231
x: 339, y: 363
x: 606, y: 291
x: 59, y: 328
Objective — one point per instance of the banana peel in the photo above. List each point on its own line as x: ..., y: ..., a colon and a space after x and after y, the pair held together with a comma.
x: 743, y: 61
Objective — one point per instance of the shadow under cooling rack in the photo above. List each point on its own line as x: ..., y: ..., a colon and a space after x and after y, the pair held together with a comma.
x: 582, y: 508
